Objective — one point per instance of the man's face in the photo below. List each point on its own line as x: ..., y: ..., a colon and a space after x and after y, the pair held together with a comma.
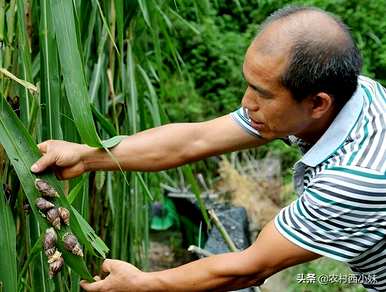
x: 272, y: 109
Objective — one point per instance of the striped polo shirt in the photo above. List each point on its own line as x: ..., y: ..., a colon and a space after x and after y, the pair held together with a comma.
x: 340, y: 181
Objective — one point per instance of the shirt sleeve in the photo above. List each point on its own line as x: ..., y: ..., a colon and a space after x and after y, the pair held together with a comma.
x: 240, y: 116
x: 340, y: 214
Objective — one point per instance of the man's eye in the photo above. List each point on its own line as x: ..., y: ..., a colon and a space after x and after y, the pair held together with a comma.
x: 258, y: 93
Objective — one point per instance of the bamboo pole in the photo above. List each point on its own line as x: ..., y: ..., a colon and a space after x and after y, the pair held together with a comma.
x: 225, y: 235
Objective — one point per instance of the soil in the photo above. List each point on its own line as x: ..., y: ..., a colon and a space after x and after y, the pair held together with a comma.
x: 165, y: 251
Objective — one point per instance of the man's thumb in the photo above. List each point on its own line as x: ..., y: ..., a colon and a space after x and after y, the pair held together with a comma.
x: 43, y: 163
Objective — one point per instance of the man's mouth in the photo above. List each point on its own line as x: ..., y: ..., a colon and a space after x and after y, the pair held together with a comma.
x: 255, y: 124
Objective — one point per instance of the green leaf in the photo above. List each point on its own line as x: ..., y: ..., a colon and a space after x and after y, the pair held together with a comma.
x: 109, y: 143
x: 22, y: 153
x: 32, y: 253
x: 104, y: 122
x: 185, y: 22
x: 8, y: 268
x: 145, y: 11
x: 25, y: 63
x: 187, y: 170
x: 76, y: 190
x: 49, y: 75
x: 106, y: 26
x: 72, y: 69
x: 153, y: 104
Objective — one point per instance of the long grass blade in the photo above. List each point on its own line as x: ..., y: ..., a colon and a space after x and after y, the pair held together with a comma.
x: 72, y: 69
x: 107, y: 26
x: 24, y: 63
x: 23, y: 152
x: 104, y: 122
x: 145, y: 11
x: 50, y: 84
x: 36, y: 249
x: 32, y: 88
x: 196, y: 190
x: 8, y: 268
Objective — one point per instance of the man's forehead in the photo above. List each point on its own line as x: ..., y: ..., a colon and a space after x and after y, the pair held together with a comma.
x: 281, y: 34
x: 267, y: 64
x: 273, y: 40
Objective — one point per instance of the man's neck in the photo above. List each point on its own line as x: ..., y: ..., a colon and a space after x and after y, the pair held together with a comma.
x: 318, y: 127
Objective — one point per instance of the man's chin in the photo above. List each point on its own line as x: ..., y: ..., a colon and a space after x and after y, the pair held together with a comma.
x: 267, y: 135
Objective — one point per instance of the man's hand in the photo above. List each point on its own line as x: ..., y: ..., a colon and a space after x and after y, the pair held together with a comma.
x: 225, y: 272
x: 122, y: 277
x: 65, y: 158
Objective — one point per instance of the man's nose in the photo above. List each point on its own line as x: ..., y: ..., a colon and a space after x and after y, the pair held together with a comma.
x: 249, y: 101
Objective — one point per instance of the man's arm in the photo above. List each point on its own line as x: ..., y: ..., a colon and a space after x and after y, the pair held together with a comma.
x: 269, y: 254
x: 151, y: 150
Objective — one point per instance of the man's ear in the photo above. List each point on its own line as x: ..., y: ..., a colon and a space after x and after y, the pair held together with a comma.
x: 321, y: 103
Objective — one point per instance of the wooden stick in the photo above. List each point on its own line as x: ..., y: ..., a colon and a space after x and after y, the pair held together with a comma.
x: 228, y: 240
x: 199, y: 251
x: 225, y: 235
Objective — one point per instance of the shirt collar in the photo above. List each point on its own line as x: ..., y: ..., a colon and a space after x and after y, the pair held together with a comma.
x: 337, y: 132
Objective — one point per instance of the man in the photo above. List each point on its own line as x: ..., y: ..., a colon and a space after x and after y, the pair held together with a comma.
x: 302, y: 73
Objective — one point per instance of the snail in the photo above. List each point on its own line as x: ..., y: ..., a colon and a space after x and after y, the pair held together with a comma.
x: 43, y: 204
x: 49, y: 242
x: 54, y: 218
x: 45, y: 189
x: 71, y: 243
x: 64, y: 215
x: 55, y: 266
x: 54, y: 257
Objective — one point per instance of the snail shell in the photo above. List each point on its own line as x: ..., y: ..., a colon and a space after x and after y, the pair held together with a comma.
x: 50, y: 251
x: 71, y: 243
x: 54, y: 218
x: 49, y: 242
x: 55, y: 267
x: 45, y: 189
x: 65, y: 215
x: 43, y: 204
x: 54, y: 257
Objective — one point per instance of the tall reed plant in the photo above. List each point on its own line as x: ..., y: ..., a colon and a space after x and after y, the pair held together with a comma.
x: 88, y: 72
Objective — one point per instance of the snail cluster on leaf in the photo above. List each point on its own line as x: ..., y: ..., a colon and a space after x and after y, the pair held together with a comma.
x: 56, y: 263
x: 71, y: 244
x: 55, y: 259
x: 45, y: 189
x: 56, y: 216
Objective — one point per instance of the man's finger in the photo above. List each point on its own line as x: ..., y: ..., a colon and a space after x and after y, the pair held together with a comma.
x: 107, y: 266
x: 70, y: 172
x: 43, y: 163
x: 95, y: 286
x: 43, y: 146
x: 97, y: 278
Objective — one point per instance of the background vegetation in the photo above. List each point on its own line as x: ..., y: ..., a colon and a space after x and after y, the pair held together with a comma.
x: 133, y: 65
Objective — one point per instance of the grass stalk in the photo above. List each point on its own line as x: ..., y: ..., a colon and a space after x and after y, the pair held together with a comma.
x: 10, y: 34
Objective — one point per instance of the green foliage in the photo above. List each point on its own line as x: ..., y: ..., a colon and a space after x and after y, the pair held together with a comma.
x: 100, y: 68
x: 8, y: 268
x: 22, y: 152
x: 135, y: 64
x: 213, y: 59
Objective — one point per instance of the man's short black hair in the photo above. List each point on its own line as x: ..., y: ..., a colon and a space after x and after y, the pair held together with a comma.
x: 316, y: 65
